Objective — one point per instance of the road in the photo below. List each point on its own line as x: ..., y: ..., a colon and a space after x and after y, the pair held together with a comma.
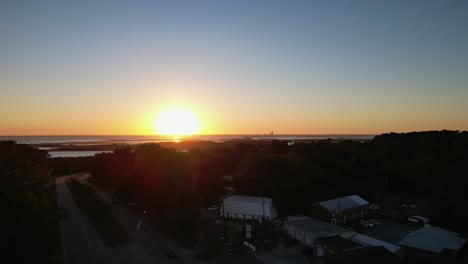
x: 82, y: 243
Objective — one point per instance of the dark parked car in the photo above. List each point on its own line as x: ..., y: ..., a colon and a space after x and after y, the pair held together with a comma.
x: 171, y: 253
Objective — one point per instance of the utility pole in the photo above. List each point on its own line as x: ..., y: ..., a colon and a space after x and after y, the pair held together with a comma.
x: 263, y: 206
x: 224, y: 225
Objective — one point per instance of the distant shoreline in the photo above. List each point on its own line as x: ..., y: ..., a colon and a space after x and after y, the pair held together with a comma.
x: 77, y: 146
x: 55, y: 141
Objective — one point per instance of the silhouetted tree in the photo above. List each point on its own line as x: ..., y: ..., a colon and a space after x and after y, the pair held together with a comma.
x: 29, y: 218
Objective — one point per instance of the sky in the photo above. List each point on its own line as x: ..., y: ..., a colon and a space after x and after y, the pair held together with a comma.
x: 241, y: 67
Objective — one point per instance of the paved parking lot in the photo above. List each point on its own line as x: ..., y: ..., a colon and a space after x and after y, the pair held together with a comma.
x: 284, y: 255
x: 388, y: 231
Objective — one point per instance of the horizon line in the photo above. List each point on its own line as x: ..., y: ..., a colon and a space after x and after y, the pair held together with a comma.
x: 197, y: 135
x: 240, y: 134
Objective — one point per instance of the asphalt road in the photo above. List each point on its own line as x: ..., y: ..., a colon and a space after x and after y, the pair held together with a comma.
x: 82, y: 243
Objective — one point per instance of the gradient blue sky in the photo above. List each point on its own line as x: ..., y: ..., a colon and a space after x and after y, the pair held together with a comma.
x: 309, y: 67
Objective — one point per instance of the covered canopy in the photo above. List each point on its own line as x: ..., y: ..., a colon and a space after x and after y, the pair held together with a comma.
x: 433, y: 239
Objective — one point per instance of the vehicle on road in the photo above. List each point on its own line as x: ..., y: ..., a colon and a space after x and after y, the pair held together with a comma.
x: 171, y: 253
x: 366, y: 224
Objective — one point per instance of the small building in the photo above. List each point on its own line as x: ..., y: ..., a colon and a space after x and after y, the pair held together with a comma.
x: 308, y: 230
x: 341, y: 210
x: 369, y: 241
x: 433, y: 239
x: 248, y: 207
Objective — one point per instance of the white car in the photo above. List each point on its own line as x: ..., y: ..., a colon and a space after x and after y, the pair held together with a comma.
x: 213, y: 208
x: 418, y: 219
x: 373, y: 222
x: 366, y: 224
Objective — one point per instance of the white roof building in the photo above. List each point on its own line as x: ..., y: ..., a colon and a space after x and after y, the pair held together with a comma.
x: 343, y: 203
x: 433, y: 239
x: 248, y: 207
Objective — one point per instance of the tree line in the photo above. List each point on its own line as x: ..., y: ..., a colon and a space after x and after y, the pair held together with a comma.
x: 173, y: 185
x: 29, y: 210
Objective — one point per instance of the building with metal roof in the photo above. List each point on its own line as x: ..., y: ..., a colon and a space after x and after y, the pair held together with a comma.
x: 343, y: 203
x: 369, y: 241
x: 340, y: 210
x: 433, y: 239
x: 248, y: 207
x: 307, y: 229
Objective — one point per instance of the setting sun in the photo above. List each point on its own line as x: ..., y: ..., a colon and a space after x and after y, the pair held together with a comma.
x: 177, y: 122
